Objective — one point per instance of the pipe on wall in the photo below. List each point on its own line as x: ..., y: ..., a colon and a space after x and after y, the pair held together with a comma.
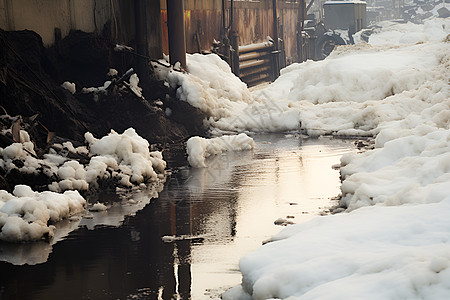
x: 275, y: 40
x: 177, y: 35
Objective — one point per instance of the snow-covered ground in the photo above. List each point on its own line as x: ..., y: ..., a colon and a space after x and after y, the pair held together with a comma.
x: 393, y: 241
x: 356, y: 91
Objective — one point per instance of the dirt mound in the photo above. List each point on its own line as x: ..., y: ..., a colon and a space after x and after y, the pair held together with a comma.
x: 31, y: 97
x: 31, y: 75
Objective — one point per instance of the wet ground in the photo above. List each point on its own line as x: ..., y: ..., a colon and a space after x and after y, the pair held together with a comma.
x: 185, y: 242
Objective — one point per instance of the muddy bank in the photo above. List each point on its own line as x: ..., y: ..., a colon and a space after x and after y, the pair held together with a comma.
x: 30, y: 83
x: 31, y: 96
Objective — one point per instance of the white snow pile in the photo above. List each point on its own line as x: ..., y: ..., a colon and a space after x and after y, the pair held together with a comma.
x: 394, y: 244
x: 210, y: 85
x: 399, y: 252
x: 120, y: 48
x: 198, y: 148
x: 98, y: 207
x: 125, y: 158
x: 28, y: 216
x: 23, y: 151
x: 393, y: 241
x: 355, y: 91
x: 389, y: 32
x: 407, y: 170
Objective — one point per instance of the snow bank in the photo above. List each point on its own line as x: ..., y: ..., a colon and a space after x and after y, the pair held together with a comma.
x: 394, y: 244
x: 134, y: 85
x: 100, y: 89
x: 198, y: 149
x: 355, y: 91
x: 27, y: 216
x: 388, y: 32
x: 209, y: 85
x: 371, y: 253
x: 407, y: 170
x: 393, y: 241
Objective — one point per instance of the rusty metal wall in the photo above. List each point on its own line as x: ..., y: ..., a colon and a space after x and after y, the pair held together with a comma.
x: 202, y: 27
x: 253, y: 20
x: 255, y: 23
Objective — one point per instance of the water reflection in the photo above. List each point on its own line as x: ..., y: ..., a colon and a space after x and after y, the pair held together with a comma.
x: 214, y: 215
x: 119, y: 207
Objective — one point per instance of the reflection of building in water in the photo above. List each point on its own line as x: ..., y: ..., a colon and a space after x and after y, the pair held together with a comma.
x: 180, y: 218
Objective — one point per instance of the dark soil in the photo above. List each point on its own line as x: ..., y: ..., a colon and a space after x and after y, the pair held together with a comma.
x: 30, y: 87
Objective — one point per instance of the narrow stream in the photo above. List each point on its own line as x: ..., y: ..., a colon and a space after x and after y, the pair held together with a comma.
x: 186, y: 243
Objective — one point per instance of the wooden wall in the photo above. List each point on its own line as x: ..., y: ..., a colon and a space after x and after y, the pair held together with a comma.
x: 253, y: 21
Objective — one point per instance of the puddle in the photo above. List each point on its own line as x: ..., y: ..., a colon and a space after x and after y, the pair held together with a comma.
x: 186, y: 244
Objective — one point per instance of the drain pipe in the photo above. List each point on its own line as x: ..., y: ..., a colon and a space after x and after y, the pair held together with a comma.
x: 234, y: 39
x: 276, y: 65
x: 177, y: 36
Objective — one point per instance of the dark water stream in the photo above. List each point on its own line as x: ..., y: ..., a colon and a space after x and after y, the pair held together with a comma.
x: 209, y: 218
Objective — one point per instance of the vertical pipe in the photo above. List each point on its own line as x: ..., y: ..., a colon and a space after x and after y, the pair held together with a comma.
x: 177, y: 36
x: 301, y: 27
x: 234, y: 41
x: 275, y: 23
x: 235, y: 56
x: 276, y: 71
